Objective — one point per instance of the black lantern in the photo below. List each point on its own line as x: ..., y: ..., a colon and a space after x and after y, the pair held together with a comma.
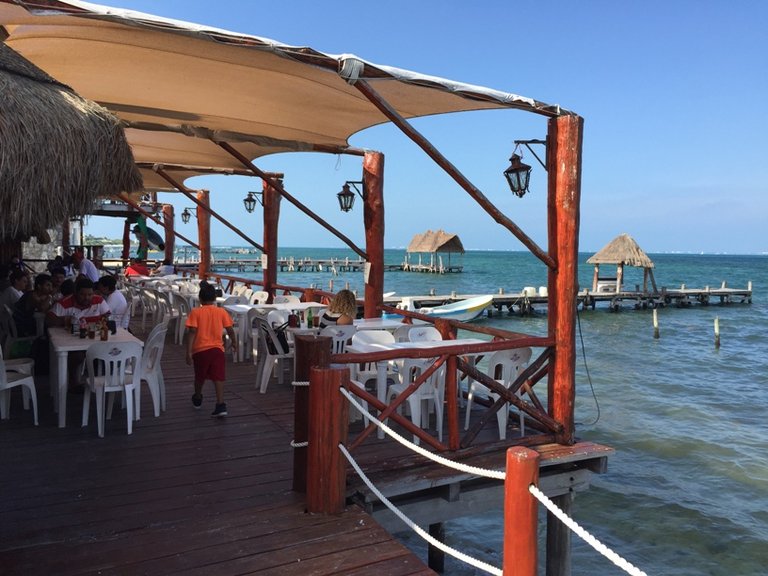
x: 186, y: 215
x: 250, y: 202
x: 347, y: 197
x: 517, y: 175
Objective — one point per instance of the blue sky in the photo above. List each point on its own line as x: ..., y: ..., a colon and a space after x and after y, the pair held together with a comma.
x: 673, y: 95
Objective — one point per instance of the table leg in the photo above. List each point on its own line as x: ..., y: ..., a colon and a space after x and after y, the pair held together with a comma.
x: 381, y: 388
x: 61, y: 396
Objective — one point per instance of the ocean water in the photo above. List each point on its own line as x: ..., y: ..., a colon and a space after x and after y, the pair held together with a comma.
x: 687, y: 491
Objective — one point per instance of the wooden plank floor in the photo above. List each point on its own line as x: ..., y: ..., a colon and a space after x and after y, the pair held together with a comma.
x: 185, y: 493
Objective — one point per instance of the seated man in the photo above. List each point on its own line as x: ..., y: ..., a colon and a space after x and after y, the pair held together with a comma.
x: 137, y: 268
x: 85, y: 267
x: 37, y: 300
x: 118, y: 305
x: 19, y: 283
x: 82, y: 305
x: 165, y: 269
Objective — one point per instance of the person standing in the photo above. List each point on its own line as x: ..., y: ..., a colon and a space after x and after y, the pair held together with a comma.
x: 205, y: 346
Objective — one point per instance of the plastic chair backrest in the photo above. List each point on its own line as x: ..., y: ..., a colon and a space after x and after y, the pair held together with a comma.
x: 277, y: 317
x: 114, y: 360
x: 340, y: 335
x: 506, y: 365
x: 153, y: 348
x: 259, y: 297
x: 424, y: 334
x: 234, y: 300
x: 272, y: 343
x: 286, y: 299
x: 373, y: 337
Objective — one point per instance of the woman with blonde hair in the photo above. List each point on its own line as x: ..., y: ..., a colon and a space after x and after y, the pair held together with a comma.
x: 341, y: 311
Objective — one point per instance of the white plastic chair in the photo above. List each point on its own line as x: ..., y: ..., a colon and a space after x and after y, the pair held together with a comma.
x: 151, y: 371
x: 229, y: 300
x: 430, y: 393
x: 401, y: 333
x: 424, y: 334
x: 259, y: 297
x: 181, y: 305
x: 504, y: 366
x: 8, y: 334
x: 111, y: 368
x: 11, y: 377
x: 286, y: 299
x: 340, y: 335
x: 269, y: 351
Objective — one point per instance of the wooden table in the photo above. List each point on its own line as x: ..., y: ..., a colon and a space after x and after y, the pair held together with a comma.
x: 62, y: 343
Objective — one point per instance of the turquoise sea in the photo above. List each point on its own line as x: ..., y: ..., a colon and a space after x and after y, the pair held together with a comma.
x: 687, y: 491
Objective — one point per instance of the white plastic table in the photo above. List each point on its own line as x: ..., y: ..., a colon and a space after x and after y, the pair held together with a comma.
x: 62, y: 343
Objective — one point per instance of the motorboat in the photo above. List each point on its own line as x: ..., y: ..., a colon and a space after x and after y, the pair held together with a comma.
x: 462, y: 310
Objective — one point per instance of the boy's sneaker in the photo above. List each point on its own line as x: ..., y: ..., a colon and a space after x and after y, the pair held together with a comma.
x: 197, y: 401
x: 219, y: 411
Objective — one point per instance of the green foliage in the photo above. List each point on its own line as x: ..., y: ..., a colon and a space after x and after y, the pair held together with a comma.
x: 97, y: 240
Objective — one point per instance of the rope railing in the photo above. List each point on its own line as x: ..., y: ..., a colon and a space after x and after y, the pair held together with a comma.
x: 615, y: 558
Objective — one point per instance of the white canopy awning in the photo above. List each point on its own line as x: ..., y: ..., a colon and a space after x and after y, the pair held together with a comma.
x: 179, y: 86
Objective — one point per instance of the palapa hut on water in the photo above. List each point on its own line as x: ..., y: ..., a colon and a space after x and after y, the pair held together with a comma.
x: 434, y: 243
x: 622, y: 251
x: 59, y: 153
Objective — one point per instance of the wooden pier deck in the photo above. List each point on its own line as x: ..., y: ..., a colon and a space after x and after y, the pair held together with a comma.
x: 184, y: 494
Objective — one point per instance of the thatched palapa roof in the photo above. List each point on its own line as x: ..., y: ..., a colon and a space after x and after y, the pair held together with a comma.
x: 435, y: 241
x: 59, y: 151
x: 622, y: 250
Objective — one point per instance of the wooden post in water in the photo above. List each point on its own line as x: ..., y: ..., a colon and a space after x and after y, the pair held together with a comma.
x: 717, y: 332
x: 656, y: 323
x: 271, y: 198
x: 520, y: 513
x: 328, y: 424
x: 203, y: 234
x: 564, y: 141
x: 373, y: 217
x: 309, y: 351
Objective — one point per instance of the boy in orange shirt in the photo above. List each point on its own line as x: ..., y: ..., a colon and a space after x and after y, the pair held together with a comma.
x: 205, y: 346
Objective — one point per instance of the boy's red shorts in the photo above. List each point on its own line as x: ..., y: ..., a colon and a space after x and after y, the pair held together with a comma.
x: 209, y: 365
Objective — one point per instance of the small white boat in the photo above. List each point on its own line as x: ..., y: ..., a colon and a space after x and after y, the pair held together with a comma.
x: 463, y: 310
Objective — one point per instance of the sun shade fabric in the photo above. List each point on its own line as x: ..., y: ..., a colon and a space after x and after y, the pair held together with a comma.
x: 622, y: 250
x: 59, y: 152
x: 177, y: 85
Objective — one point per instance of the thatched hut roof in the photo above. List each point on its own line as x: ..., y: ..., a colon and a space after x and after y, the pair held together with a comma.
x: 436, y: 241
x: 622, y: 250
x: 59, y: 151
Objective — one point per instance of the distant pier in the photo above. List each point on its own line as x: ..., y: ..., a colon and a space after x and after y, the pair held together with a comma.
x: 530, y: 300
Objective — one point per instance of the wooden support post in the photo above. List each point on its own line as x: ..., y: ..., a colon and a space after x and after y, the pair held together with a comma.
x: 65, y: 237
x: 373, y: 216
x: 451, y: 403
x: 328, y: 423
x: 310, y: 351
x: 170, y: 237
x: 271, y: 198
x: 204, y: 234
x: 126, y: 253
x: 559, y: 539
x: 435, y: 556
x: 520, y: 512
x: 564, y: 195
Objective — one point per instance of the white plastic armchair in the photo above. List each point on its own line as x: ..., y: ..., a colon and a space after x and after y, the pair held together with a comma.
x: 11, y: 377
x: 151, y: 371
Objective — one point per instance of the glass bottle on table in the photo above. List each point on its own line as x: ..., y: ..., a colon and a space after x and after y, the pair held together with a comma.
x: 309, y: 317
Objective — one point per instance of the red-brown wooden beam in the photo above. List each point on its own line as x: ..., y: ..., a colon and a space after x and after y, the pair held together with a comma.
x: 203, y: 234
x: 189, y: 194
x: 170, y: 239
x: 564, y: 174
x: 451, y: 170
x: 126, y: 253
x: 125, y: 198
x: 65, y: 240
x: 373, y: 217
x: 279, y: 187
x: 271, y: 199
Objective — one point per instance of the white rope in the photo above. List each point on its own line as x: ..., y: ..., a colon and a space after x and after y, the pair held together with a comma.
x: 350, y: 68
x: 295, y: 444
x: 494, y: 474
x: 420, y: 531
x: 298, y: 383
x: 584, y: 535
